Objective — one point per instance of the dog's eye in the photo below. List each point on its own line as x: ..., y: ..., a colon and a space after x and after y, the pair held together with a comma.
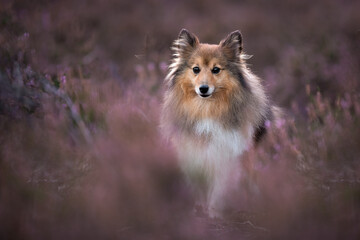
x: 196, y: 70
x: 215, y: 70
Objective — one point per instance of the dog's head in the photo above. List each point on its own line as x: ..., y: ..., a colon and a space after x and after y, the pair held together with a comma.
x: 207, y: 70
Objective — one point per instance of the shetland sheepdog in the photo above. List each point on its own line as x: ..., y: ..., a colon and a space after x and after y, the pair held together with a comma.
x: 214, y: 109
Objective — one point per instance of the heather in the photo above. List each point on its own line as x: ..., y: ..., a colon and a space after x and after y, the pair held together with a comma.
x: 81, y: 155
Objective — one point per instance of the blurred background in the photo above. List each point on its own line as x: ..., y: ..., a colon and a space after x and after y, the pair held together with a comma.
x: 80, y: 95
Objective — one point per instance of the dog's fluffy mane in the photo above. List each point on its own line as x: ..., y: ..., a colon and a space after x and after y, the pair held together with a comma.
x: 248, y: 104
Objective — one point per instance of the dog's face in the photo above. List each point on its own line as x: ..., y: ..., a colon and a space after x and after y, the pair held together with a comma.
x: 207, y: 71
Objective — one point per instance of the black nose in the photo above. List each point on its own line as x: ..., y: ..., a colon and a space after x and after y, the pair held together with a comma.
x: 204, y: 88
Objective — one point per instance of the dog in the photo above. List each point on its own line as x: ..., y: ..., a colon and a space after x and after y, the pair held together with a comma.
x: 214, y: 109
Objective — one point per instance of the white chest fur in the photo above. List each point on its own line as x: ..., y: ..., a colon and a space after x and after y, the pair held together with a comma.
x: 228, y: 142
x: 217, y: 152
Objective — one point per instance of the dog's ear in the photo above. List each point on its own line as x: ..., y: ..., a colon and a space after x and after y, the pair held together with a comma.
x: 185, y: 43
x: 186, y: 37
x: 232, y: 46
